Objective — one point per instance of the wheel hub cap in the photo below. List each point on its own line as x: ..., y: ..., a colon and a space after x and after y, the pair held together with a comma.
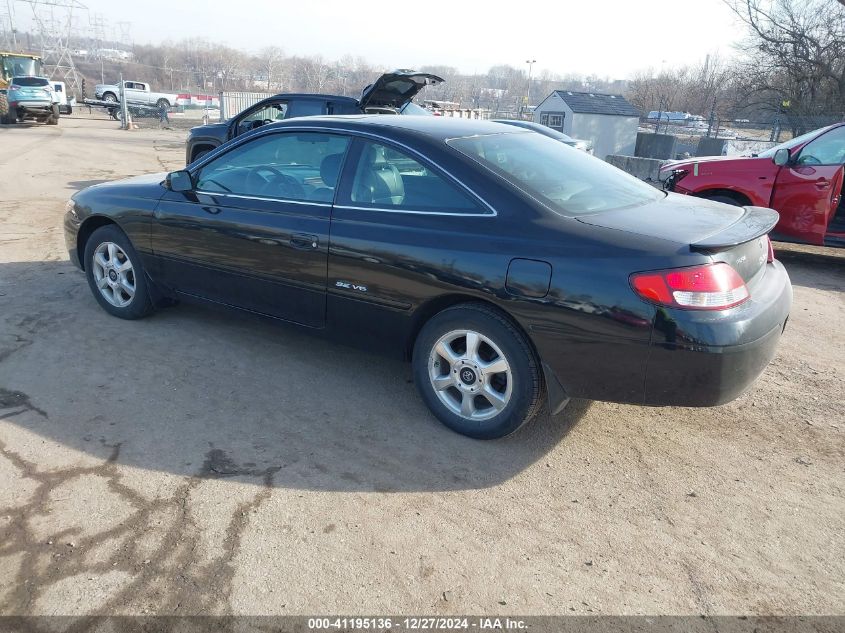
x: 470, y: 375
x: 114, y: 274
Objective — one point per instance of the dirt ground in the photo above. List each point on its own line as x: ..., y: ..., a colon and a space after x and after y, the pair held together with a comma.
x: 203, y: 462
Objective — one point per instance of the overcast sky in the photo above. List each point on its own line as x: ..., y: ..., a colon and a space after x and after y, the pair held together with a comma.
x: 611, y: 38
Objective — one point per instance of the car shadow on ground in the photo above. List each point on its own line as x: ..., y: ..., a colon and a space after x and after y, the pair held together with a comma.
x: 197, y: 391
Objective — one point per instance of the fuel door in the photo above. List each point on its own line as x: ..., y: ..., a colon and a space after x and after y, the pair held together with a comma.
x: 528, y: 278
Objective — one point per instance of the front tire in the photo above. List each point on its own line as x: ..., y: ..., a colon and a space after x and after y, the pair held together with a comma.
x: 200, y: 154
x: 115, y: 274
x: 110, y: 97
x: 477, y: 372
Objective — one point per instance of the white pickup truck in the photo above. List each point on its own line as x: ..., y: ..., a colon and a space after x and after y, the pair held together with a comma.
x: 136, y: 92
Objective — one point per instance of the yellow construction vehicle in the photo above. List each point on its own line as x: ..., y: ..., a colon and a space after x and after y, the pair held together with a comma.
x: 15, y: 65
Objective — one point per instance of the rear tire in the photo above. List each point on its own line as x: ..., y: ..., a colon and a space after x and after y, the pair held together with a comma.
x: 115, y: 274
x: 163, y: 103
x: 4, y: 109
x: 54, y: 118
x: 485, y: 393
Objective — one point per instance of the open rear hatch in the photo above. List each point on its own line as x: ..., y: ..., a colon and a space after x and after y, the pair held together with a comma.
x: 395, y: 89
x: 736, y: 235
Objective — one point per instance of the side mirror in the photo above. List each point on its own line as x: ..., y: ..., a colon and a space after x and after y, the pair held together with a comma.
x: 180, y: 181
x: 781, y: 157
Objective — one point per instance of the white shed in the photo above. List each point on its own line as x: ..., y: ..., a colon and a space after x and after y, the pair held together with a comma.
x: 609, y: 121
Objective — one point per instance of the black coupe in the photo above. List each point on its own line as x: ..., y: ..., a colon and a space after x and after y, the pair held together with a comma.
x: 503, y: 264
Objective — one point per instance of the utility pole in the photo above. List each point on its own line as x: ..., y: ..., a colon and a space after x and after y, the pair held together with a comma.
x: 124, y: 110
x: 530, y: 63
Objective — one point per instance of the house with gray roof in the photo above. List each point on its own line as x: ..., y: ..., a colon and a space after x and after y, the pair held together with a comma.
x: 609, y: 121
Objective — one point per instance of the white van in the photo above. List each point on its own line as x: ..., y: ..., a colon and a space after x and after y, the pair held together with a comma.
x: 60, y: 97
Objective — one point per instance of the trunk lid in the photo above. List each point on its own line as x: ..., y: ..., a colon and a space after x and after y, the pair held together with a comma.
x: 736, y: 235
x: 395, y: 89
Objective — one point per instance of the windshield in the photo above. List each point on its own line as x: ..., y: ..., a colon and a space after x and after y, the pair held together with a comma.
x: 14, y: 65
x: 566, y: 179
x: 30, y: 82
x: 798, y: 140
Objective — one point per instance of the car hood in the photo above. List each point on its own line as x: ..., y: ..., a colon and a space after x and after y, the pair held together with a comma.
x: 210, y: 129
x: 395, y: 89
x: 688, y: 220
x: 144, y: 186
x: 727, y: 162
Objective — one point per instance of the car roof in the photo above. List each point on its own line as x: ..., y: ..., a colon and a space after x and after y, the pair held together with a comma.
x: 311, y: 95
x: 441, y: 128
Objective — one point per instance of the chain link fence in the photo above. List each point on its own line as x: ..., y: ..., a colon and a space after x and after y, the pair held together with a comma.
x: 696, y: 136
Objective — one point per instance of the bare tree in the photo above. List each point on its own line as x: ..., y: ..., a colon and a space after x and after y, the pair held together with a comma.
x: 271, y: 58
x: 795, y: 56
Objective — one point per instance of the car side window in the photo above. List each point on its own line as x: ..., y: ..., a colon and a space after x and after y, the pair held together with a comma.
x: 264, y: 116
x: 827, y: 149
x: 388, y: 178
x: 302, y: 166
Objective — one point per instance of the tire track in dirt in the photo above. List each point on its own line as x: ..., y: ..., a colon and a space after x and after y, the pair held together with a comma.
x: 169, y: 576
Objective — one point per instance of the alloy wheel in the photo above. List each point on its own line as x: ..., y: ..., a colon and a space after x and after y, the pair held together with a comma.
x: 114, y: 274
x: 470, y: 375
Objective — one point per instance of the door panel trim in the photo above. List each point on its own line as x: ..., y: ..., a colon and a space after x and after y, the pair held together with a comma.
x: 414, y: 212
x: 226, y: 194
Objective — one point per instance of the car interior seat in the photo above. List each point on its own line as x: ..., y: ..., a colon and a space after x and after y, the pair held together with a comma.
x: 329, y: 173
x: 377, y: 181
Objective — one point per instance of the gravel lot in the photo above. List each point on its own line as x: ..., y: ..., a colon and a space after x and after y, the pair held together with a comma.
x: 203, y: 462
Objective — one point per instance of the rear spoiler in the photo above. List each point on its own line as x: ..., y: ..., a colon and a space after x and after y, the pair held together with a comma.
x: 754, y: 223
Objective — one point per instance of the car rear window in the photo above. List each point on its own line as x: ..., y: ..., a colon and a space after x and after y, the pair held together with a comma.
x: 31, y: 82
x: 566, y: 179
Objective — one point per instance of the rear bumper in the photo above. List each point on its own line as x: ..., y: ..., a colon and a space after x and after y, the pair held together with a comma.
x: 706, y: 359
x: 35, y: 106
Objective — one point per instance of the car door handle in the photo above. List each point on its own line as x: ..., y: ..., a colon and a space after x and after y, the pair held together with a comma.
x: 304, y: 242
x: 822, y: 183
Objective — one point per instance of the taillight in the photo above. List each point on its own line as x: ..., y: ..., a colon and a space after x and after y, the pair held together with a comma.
x: 770, y: 257
x: 707, y: 287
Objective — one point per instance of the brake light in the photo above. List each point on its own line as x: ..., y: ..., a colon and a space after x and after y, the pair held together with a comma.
x: 770, y: 257
x: 707, y: 287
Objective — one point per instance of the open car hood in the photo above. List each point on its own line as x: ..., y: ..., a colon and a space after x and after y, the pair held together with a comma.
x: 395, y: 89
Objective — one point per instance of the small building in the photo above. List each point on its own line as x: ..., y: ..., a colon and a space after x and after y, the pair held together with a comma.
x: 609, y: 121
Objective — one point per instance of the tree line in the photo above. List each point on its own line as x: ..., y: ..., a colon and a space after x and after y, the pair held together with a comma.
x: 790, y: 65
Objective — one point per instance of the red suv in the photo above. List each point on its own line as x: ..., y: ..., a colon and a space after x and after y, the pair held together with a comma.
x: 802, y: 179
